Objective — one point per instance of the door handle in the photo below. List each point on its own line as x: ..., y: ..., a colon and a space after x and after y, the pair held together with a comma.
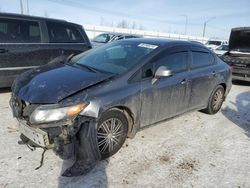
x: 3, y: 51
x: 214, y: 73
x: 184, y: 81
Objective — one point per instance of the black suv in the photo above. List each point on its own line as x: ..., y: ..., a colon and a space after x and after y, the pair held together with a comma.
x: 27, y: 42
x: 238, y: 56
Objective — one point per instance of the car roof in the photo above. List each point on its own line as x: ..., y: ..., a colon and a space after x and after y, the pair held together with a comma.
x: 23, y: 16
x: 165, y: 42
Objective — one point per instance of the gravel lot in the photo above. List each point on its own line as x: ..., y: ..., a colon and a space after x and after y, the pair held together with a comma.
x: 194, y: 150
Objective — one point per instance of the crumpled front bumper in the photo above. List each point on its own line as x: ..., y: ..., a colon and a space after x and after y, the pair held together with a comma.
x: 59, y: 136
x: 51, y: 135
x: 48, y: 135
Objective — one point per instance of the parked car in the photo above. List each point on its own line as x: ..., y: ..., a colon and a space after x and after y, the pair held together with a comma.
x: 122, y: 87
x: 105, y: 38
x: 27, y: 42
x: 238, y: 56
x: 221, y: 49
x: 215, y: 43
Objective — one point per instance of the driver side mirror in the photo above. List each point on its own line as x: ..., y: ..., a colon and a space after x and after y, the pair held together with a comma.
x: 162, y: 71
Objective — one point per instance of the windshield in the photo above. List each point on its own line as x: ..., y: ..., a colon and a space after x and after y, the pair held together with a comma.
x: 222, y: 47
x: 103, y: 38
x: 210, y: 42
x: 116, y: 57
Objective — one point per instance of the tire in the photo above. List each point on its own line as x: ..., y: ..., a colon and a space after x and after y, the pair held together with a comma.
x: 112, y: 132
x: 215, y: 100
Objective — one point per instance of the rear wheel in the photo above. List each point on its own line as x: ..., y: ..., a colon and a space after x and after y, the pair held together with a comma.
x: 215, y: 100
x: 111, y: 132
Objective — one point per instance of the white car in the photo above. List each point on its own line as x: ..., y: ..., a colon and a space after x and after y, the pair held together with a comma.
x: 221, y: 49
x: 214, y: 43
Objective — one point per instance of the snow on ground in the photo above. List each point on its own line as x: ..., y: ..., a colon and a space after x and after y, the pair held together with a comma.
x: 193, y: 150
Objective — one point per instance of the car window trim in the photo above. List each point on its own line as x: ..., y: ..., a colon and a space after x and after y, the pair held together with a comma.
x: 130, y: 80
x: 191, y: 63
x: 47, y: 22
x: 27, y: 20
x: 169, y: 50
x: 187, y: 67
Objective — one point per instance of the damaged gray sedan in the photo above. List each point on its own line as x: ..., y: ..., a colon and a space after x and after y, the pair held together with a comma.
x: 116, y: 89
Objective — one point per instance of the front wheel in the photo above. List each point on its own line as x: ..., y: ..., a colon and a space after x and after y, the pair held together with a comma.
x: 111, y: 132
x: 215, y: 101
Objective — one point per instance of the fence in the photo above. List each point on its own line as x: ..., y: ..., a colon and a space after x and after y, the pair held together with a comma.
x: 93, y: 31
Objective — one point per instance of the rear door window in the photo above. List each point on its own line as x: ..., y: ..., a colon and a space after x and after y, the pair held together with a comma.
x: 63, y: 33
x: 19, y: 31
x: 201, y: 59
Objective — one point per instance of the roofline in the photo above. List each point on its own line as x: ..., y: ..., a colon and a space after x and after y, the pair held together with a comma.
x: 24, y: 16
x: 240, y: 28
x: 118, y: 33
x: 167, y: 42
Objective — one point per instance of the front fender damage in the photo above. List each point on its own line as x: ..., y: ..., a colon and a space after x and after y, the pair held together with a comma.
x: 86, y: 150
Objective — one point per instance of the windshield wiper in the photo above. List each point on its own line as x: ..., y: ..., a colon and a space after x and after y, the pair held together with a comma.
x: 69, y: 58
x: 87, y: 67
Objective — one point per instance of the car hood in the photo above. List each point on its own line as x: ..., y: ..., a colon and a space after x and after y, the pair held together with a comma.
x: 240, y: 39
x: 54, y: 82
x: 220, y: 52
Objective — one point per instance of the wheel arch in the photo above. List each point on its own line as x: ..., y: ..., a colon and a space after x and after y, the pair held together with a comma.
x: 223, y: 85
x: 129, y: 115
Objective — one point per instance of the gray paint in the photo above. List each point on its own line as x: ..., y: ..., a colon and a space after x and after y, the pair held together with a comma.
x: 149, y: 103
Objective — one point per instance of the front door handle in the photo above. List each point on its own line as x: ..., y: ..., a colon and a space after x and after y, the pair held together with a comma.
x: 184, y: 81
x: 214, y: 73
x: 3, y: 51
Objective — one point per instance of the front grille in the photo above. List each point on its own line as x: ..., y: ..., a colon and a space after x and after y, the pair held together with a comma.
x: 237, y: 61
x: 241, y: 75
x: 240, y: 70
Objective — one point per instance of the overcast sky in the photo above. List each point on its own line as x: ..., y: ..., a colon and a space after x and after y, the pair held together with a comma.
x: 153, y: 15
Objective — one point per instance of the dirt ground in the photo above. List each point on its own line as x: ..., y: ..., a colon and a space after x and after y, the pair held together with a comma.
x: 194, y: 150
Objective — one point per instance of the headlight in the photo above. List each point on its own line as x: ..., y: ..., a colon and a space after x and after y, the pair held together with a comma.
x: 50, y: 113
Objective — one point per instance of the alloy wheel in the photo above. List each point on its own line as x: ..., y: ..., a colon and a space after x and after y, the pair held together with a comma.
x: 217, y: 100
x: 109, y: 135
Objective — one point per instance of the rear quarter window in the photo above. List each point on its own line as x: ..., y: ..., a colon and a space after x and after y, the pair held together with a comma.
x: 64, y: 33
x: 201, y: 59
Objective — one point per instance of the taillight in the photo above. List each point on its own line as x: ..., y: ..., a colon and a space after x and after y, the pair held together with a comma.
x: 231, y: 67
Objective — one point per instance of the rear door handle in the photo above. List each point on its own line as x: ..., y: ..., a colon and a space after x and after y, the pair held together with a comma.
x: 3, y: 51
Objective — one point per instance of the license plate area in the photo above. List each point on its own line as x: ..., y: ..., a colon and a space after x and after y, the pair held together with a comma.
x: 36, y: 135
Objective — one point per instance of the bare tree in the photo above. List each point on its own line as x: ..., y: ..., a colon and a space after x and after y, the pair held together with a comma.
x: 123, y: 24
x: 134, y: 25
x: 141, y: 27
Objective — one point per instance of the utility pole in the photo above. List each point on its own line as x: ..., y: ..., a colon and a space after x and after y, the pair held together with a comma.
x: 185, y: 22
x: 28, y: 8
x: 205, y: 25
x: 21, y: 6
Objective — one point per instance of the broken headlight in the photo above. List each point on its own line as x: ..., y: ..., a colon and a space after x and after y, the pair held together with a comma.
x: 51, y: 113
